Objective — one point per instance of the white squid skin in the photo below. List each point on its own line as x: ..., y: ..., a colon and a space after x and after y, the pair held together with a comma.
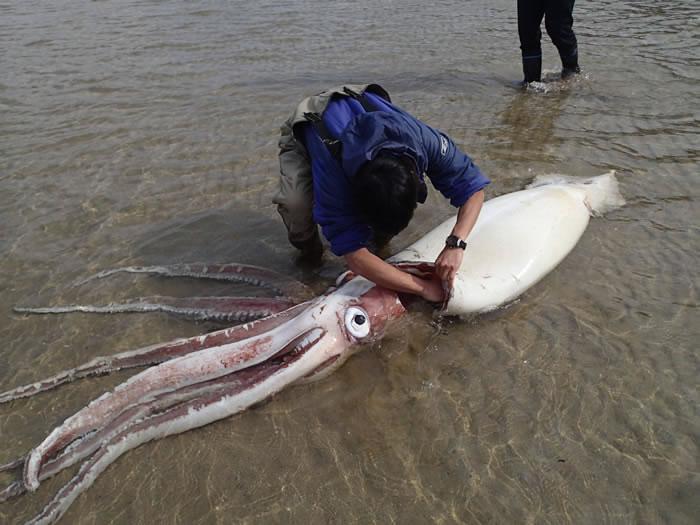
x: 518, y: 239
x: 324, y: 315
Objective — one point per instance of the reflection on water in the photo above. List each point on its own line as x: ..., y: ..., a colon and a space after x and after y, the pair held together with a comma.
x: 145, y: 133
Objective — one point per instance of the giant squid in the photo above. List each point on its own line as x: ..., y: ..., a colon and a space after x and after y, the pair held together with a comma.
x: 518, y: 238
x: 195, y: 381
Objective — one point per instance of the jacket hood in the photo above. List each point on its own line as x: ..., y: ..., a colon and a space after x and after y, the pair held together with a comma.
x: 368, y: 133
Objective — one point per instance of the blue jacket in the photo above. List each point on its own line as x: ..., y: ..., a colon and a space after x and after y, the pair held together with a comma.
x: 363, y: 134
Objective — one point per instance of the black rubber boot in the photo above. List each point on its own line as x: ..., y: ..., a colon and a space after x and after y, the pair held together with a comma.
x: 570, y: 65
x: 532, y: 68
x: 311, y: 249
x: 569, y: 71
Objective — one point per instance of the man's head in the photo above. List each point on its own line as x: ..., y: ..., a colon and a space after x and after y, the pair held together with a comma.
x: 385, y: 190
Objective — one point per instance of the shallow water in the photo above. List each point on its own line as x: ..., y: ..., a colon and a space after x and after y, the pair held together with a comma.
x: 145, y: 133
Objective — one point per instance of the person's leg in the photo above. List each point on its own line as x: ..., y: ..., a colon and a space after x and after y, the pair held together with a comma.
x: 301, y: 230
x: 296, y: 212
x: 530, y: 13
x: 559, y: 23
x: 295, y: 196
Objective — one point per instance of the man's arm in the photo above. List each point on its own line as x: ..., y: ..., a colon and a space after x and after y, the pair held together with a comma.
x: 365, y: 263
x: 456, y: 176
x: 450, y: 259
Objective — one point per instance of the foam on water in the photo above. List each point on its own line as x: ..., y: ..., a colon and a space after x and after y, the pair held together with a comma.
x: 553, y: 83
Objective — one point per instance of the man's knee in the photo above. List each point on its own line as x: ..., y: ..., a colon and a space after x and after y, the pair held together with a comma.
x: 298, y: 220
x: 559, y: 24
x: 560, y: 31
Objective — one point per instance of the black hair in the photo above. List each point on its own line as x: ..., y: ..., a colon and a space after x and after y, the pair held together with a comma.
x: 385, y: 191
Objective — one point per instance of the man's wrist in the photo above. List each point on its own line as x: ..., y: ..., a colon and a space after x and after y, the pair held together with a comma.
x: 453, y: 241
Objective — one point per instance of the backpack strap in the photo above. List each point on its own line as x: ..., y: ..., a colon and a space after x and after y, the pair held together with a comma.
x: 335, y: 147
x: 333, y: 144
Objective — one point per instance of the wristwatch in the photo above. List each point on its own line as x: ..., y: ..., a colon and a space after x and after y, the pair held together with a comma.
x: 453, y: 241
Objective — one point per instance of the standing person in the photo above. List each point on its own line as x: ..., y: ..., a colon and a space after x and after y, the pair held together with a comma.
x: 355, y: 164
x: 558, y: 21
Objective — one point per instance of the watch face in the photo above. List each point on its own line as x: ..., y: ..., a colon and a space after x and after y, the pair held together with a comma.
x: 455, y: 242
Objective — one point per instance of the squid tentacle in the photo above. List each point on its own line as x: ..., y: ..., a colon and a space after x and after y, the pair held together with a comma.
x: 169, y: 376
x: 142, y: 432
x: 152, y: 355
x: 12, y: 465
x: 230, y: 394
x: 231, y: 272
x: 14, y: 489
x: 86, y: 445
x: 223, y: 309
x: 91, y: 442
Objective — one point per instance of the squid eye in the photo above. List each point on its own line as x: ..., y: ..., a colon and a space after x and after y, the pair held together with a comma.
x: 357, y: 322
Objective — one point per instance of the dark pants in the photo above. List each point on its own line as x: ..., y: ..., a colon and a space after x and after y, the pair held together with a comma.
x: 558, y: 21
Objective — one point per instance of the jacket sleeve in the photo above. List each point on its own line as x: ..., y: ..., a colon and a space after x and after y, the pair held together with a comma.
x: 345, y: 234
x: 450, y: 170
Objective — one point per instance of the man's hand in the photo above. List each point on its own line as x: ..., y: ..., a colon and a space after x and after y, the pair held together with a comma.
x: 433, y: 290
x: 447, y: 264
x: 364, y: 263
